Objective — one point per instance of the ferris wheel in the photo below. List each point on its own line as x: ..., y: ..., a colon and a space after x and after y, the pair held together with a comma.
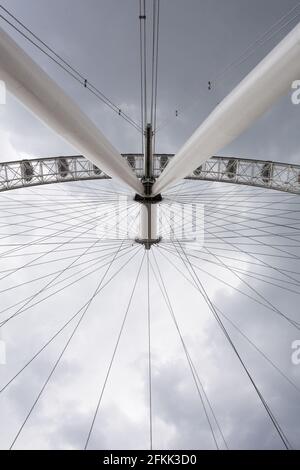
x: 146, y: 273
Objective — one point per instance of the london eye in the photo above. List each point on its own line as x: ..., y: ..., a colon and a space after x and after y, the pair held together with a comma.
x: 146, y: 298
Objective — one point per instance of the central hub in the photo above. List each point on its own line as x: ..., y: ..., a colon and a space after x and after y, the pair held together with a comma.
x: 148, y: 233
x: 148, y: 217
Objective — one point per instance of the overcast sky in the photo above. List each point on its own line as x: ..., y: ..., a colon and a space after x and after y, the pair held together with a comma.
x: 198, y: 39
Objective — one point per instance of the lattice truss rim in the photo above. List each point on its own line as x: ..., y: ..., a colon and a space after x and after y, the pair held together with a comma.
x: 260, y: 173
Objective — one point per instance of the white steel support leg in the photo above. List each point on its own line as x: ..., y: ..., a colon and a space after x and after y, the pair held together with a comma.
x: 269, y: 80
x: 43, y: 97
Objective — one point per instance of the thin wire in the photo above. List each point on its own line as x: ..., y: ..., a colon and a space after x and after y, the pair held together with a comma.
x: 74, y: 281
x: 63, y: 350
x: 149, y: 355
x: 195, y: 375
x: 204, y: 294
x: 269, y: 304
x: 141, y: 75
x: 207, y: 299
x: 155, y: 43
x: 259, y: 42
x: 87, y: 261
x: 237, y: 328
x: 113, y: 355
x: 145, y: 64
x: 216, y: 80
x: 269, y: 307
x: 156, y: 68
x: 58, y: 244
x: 25, y: 308
x: 49, y: 341
x: 153, y: 58
x: 68, y: 68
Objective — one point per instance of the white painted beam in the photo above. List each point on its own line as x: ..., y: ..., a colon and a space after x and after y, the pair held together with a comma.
x: 269, y: 80
x: 44, y: 98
